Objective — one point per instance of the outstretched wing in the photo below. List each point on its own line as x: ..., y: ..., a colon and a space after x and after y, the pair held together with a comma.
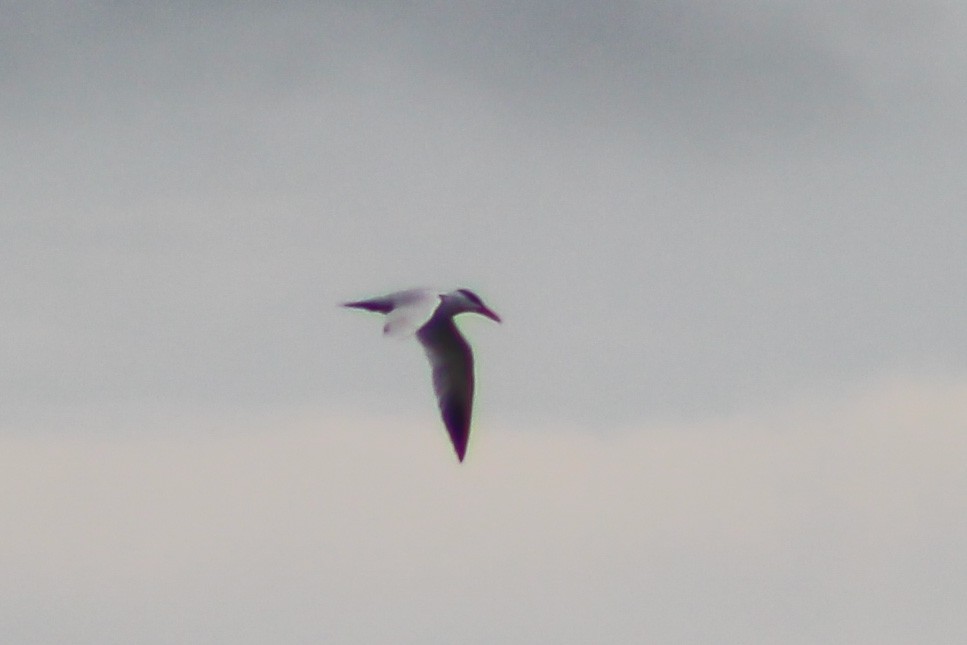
x: 406, y: 311
x: 452, y: 363
x: 413, y: 309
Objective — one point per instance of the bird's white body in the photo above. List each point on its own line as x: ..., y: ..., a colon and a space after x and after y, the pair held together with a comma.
x: 429, y: 314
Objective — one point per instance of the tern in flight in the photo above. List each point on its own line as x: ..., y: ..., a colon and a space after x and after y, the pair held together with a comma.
x: 429, y: 314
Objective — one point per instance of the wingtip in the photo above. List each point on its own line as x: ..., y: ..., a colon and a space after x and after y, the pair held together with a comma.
x: 370, y: 305
x: 460, y: 447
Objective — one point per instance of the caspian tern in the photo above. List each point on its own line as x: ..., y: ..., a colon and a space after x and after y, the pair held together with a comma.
x: 429, y: 314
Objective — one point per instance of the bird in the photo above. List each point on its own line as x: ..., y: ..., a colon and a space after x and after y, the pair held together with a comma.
x: 429, y: 314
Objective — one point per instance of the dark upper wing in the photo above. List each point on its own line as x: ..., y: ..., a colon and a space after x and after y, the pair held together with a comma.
x: 452, y: 363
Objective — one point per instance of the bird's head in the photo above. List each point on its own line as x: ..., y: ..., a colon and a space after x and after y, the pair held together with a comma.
x: 466, y: 301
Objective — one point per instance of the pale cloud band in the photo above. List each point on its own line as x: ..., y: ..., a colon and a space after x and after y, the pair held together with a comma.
x: 833, y: 521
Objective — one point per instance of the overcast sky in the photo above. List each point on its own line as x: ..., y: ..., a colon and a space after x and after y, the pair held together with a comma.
x: 728, y: 403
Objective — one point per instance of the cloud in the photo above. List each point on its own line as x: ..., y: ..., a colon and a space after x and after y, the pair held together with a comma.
x: 682, y: 211
x: 833, y: 520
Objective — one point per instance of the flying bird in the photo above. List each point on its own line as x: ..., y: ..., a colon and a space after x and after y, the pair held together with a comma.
x: 429, y: 314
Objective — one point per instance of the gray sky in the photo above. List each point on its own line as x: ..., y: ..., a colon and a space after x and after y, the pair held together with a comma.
x: 726, y: 404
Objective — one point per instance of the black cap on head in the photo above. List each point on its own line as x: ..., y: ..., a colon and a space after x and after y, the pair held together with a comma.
x: 471, y: 296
